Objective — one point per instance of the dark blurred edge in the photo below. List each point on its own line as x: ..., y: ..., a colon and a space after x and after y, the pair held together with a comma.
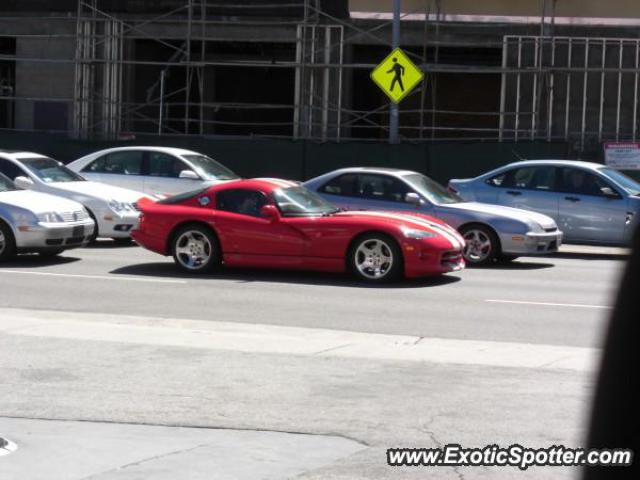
x: 615, y: 420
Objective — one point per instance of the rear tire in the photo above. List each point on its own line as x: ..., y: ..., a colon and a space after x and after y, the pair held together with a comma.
x: 196, y: 249
x: 376, y: 258
x: 7, y: 243
x: 482, y: 246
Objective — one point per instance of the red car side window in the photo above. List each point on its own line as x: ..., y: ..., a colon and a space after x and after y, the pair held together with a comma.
x: 241, y: 201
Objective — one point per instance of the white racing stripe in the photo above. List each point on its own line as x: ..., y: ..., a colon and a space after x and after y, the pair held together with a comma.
x: 450, y: 236
x: 94, y: 277
x: 550, y: 304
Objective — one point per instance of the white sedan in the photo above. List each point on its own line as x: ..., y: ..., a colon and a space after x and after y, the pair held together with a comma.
x: 157, y: 171
x: 32, y: 222
x: 113, y: 209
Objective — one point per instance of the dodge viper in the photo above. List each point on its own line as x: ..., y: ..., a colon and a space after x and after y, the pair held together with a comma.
x: 276, y: 223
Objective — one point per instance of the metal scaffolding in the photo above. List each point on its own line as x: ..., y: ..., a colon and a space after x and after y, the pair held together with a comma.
x: 169, y: 74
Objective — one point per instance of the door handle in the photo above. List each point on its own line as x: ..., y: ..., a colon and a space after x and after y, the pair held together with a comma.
x: 572, y: 199
x: 514, y: 193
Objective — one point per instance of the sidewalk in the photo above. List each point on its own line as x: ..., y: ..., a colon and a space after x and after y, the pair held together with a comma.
x: 596, y: 251
x: 67, y: 450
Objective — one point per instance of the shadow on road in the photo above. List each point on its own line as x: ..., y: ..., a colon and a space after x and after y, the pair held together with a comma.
x: 103, y: 243
x: 34, y: 261
x: 250, y: 275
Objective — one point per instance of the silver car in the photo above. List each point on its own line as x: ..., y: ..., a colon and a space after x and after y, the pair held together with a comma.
x: 590, y: 202
x: 491, y: 232
x: 37, y: 222
x: 152, y: 170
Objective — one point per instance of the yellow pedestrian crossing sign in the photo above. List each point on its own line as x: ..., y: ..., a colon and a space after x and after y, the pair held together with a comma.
x: 397, y: 75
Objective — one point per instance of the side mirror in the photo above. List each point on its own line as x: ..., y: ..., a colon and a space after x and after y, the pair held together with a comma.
x: 413, y: 198
x: 189, y: 175
x: 23, y: 182
x: 609, y: 192
x: 270, y: 212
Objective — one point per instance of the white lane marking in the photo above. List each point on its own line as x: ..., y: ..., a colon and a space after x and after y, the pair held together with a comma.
x: 550, y: 304
x: 95, y: 277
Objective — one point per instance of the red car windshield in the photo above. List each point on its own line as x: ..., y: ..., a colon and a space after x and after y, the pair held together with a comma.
x: 298, y: 201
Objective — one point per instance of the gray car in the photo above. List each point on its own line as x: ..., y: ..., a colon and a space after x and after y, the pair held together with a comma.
x: 491, y: 232
x: 38, y: 222
x: 590, y: 202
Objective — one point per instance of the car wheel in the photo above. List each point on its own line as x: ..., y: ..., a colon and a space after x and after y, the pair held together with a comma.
x: 51, y: 253
x: 196, y: 249
x: 7, y: 243
x: 94, y: 235
x: 482, y: 245
x: 376, y: 258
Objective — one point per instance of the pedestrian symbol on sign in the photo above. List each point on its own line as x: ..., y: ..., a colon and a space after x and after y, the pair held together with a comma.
x: 397, y: 75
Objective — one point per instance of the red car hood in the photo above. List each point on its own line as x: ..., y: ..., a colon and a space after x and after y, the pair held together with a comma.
x: 401, y: 219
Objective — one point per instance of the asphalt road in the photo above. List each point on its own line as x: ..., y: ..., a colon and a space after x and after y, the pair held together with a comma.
x: 166, y: 373
x: 557, y: 301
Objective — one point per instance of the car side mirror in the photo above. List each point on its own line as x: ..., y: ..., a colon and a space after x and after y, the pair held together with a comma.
x: 189, y: 175
x: 23, y: 182
x: 270, y: 212
x: 609, y: 192
x: 413, y: 198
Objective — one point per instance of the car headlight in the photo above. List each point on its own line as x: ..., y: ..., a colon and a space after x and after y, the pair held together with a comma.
x: 50, y: 217
x: 535, y: 227
x: 417, y: 234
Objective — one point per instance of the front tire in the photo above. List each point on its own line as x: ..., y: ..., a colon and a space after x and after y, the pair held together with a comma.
x: 196, y: 249
x: 7, y: 243
x: 376, y: 258
x: 482, y: 246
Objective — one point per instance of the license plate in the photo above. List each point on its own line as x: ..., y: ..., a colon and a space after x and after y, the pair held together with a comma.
x: 78, y: 232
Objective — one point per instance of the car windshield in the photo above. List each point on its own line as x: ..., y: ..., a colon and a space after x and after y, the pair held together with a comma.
x: 209, y: 168
x: 6, y: 185
x: 298, y: 201
x: 432, y: 190
x: 50, y: 171
x: 624, y: 181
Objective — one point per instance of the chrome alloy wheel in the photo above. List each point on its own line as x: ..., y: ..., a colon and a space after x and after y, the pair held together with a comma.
x: 193, y: 250
x: 478, y: 246
x: 3, y: 242
x: 374, y: 259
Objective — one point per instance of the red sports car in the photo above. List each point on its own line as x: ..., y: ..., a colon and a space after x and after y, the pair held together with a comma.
x: 280, y: 224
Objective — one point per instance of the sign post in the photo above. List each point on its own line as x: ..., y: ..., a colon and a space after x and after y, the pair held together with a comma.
x: 396, y: 75
x: 394, y: 120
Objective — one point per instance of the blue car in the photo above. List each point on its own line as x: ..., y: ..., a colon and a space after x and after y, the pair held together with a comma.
x: 590, y: 202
